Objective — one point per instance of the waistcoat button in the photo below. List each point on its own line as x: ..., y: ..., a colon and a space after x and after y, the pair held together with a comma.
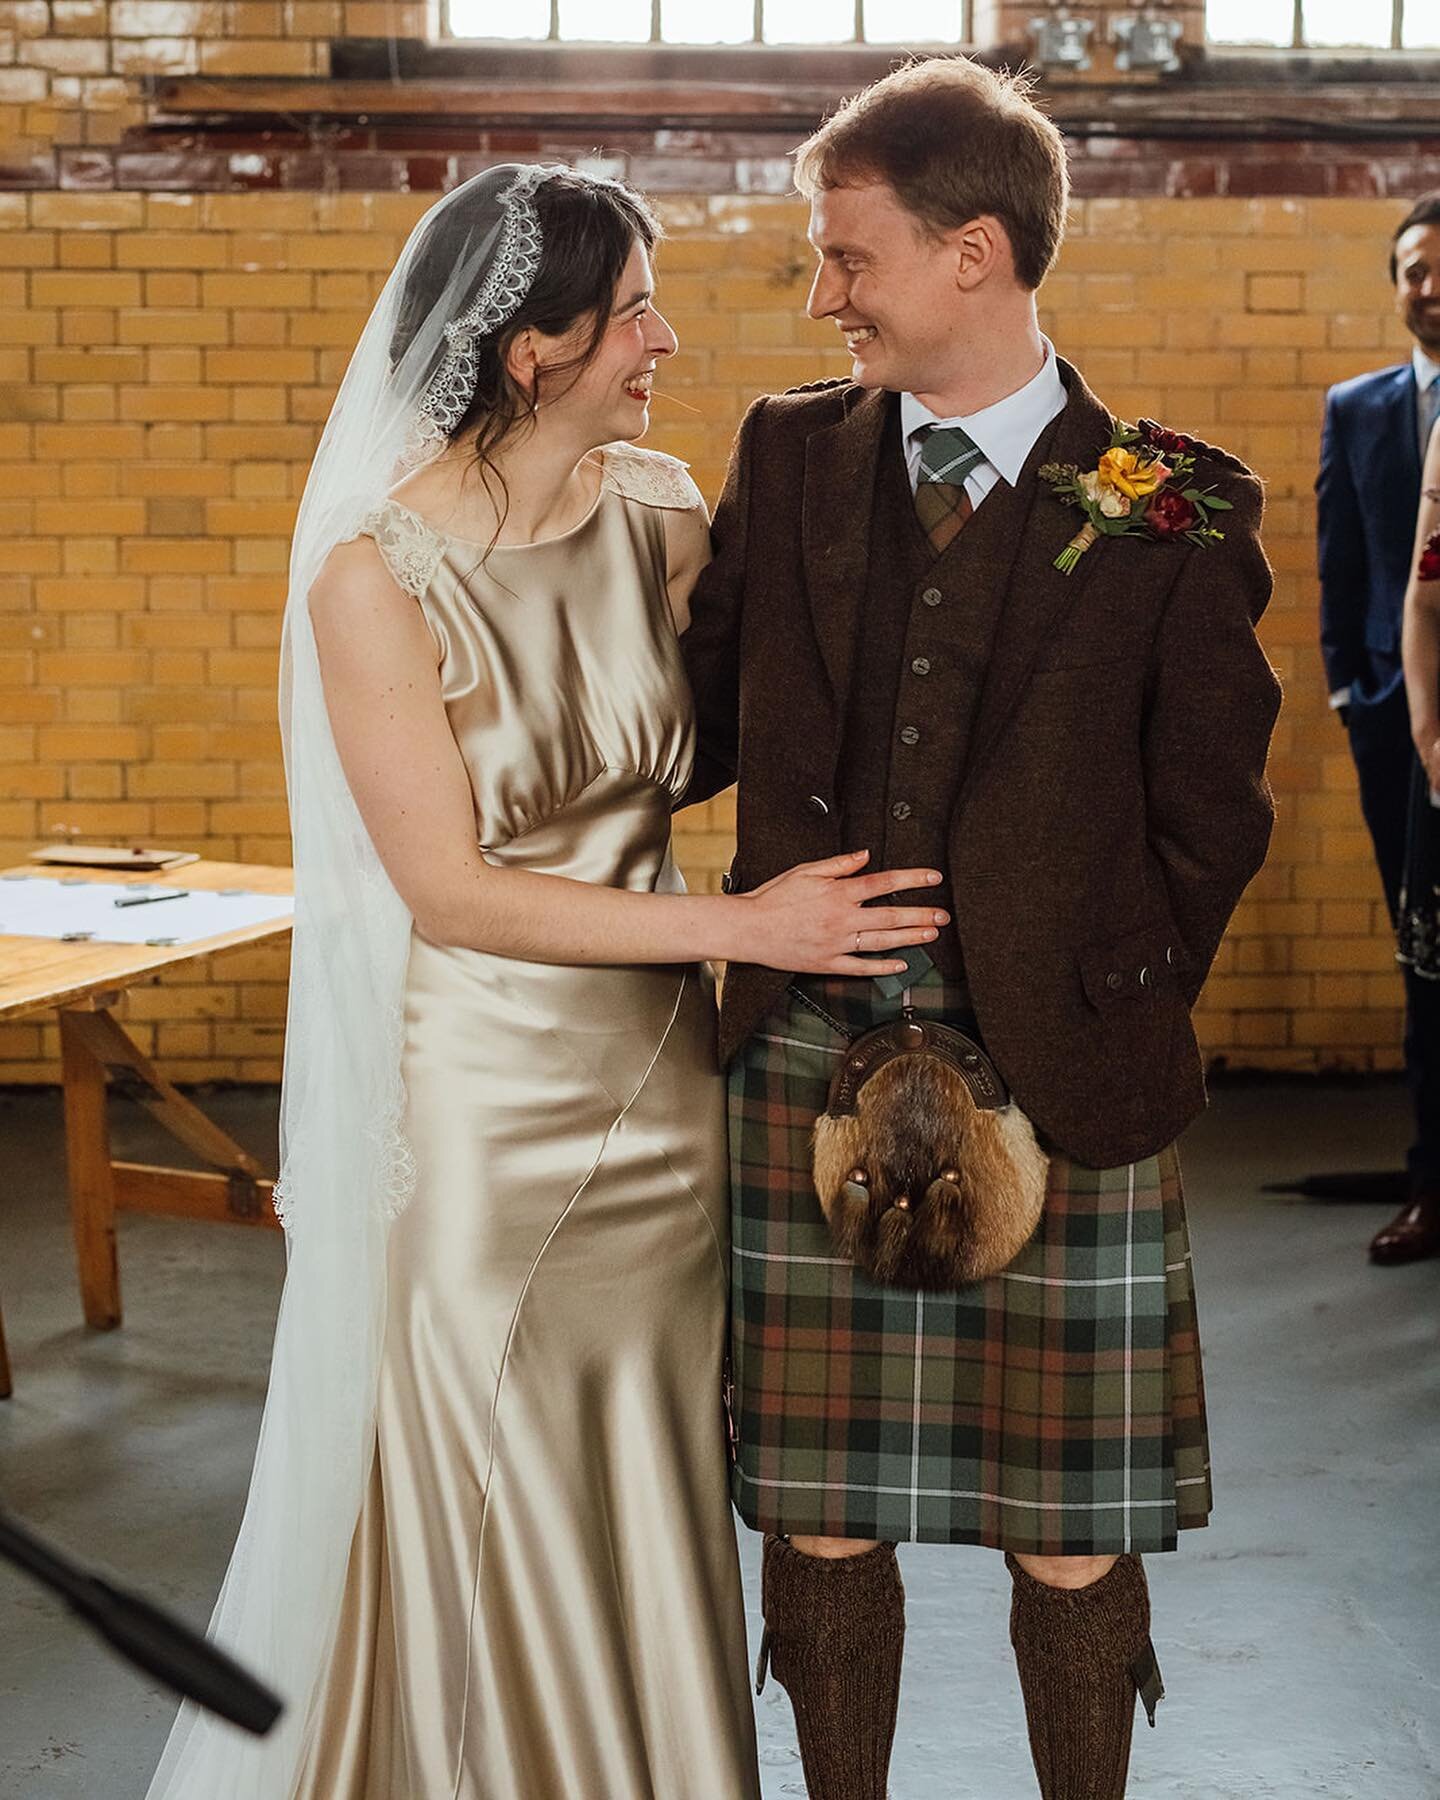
x: 1114, y: 981
x: 909, y: 734
x: 920, y: 666
x: 900, y: 810
x: 816, y: 804
x: 932, y: 596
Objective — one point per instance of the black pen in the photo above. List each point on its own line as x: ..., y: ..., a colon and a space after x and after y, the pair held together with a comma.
x: 149, y: 899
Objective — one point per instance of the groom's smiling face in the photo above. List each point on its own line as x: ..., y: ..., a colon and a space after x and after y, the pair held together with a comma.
x: 889, y: 285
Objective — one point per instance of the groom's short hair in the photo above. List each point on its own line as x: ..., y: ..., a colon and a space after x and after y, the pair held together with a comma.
x: 954, y: 140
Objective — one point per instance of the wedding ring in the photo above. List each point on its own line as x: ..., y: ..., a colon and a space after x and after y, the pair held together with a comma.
x: 857, y: 942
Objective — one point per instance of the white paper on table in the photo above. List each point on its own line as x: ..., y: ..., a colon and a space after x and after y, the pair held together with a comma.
x: 44, y: 907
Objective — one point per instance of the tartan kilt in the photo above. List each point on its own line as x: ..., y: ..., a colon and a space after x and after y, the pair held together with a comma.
x: 1056, y: 1409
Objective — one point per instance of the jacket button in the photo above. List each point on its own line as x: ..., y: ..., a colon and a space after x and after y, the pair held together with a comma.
x: 932, y: 596
x: 1170, y: 956
x: 920, y: 666
x: 909, y: 734
x: 1145, y: 976
x: 1114, y: 981
x: 816, y: 804
x: 900, y: 810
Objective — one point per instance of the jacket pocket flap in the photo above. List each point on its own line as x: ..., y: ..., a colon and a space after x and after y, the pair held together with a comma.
x: 1131, y: 967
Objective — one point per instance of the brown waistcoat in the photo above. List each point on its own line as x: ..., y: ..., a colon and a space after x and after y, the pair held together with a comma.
x: 928, y: 629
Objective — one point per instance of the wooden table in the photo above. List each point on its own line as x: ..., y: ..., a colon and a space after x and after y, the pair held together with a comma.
x: 82, y: 982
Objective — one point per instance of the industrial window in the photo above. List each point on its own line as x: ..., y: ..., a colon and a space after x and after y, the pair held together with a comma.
x: 913, y: 23
x: 1326, y: 24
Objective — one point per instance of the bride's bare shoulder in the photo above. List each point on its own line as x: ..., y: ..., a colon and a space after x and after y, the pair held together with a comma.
x: 363, y: 607
x: 391, y: 547
x: 432, y: 492
x: 355, y: 579
x: 354, y: 558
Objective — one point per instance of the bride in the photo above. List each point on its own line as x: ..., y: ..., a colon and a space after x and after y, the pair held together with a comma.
x: 487, y: 1551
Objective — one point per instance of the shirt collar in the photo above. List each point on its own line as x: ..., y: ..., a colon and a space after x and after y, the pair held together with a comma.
x: 1426, y: 368
x: 1005, y: 433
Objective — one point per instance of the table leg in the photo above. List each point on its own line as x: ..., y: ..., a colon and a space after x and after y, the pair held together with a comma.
x: 92, y: 1179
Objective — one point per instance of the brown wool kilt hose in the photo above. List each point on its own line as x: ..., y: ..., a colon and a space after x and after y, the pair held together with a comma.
x: 1056, y: 1409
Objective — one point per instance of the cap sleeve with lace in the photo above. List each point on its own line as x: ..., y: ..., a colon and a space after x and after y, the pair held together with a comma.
x: 412, y: 550
x: 651, y: 477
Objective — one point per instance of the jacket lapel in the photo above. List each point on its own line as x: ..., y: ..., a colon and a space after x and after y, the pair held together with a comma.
x: 1400, y: 433
x: 1036, y: 593
x: 836, y: 510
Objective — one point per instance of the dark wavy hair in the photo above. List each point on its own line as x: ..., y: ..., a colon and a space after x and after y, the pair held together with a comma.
x: 588, y: 229
x: 1425, y: 211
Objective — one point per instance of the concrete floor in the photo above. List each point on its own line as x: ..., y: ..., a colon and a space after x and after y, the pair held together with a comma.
x: 1299, y: 1635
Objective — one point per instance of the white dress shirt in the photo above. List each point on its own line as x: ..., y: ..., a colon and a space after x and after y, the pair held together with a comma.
x: 1004, y: 433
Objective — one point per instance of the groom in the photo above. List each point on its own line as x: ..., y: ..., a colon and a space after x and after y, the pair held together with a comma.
x: 885, y: 654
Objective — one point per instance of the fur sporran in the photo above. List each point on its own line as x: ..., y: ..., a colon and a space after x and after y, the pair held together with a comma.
x: 928, y: 1174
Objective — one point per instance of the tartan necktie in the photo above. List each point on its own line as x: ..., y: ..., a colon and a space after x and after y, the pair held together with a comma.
x: 947, y: 455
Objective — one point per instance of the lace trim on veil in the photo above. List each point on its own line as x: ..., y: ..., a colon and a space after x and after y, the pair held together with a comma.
x: 512, y: 272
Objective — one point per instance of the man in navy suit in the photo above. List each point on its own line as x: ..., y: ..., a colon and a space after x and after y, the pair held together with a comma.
x: 1376, y: 430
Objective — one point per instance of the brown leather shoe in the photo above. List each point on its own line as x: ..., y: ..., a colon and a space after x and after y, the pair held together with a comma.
x: 1414, y: 1232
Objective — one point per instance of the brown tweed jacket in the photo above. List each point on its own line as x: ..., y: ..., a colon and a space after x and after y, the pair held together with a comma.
x: 1114, y: 803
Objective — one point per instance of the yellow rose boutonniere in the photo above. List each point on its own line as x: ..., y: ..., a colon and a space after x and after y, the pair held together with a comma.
x: 1131, y: 475
x: 1133, y: 490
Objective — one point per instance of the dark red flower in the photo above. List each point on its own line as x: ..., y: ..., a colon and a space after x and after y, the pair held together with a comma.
x: 1429, y: 566
x: 1168, y: 443
x: 1170, y: 514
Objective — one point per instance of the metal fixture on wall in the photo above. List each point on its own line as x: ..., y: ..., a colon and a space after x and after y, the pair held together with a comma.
x: 1061, y: 40
x: 1146, y: 40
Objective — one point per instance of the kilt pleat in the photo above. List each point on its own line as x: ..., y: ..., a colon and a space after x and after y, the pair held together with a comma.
x: 1055, y: 1409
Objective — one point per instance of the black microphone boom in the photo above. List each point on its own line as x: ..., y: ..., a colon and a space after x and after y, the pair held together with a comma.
x: 146, y: 1636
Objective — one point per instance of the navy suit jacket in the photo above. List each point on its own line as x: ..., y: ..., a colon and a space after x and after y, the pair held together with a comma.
x: 1368, y: 492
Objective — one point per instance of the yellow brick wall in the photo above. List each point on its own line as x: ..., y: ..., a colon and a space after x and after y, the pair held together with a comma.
x: 166, y: 361
x: 71, y: 71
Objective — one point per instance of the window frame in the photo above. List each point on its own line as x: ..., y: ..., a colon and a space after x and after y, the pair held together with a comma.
x: 445, y: 34
x: 1396, y: 47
